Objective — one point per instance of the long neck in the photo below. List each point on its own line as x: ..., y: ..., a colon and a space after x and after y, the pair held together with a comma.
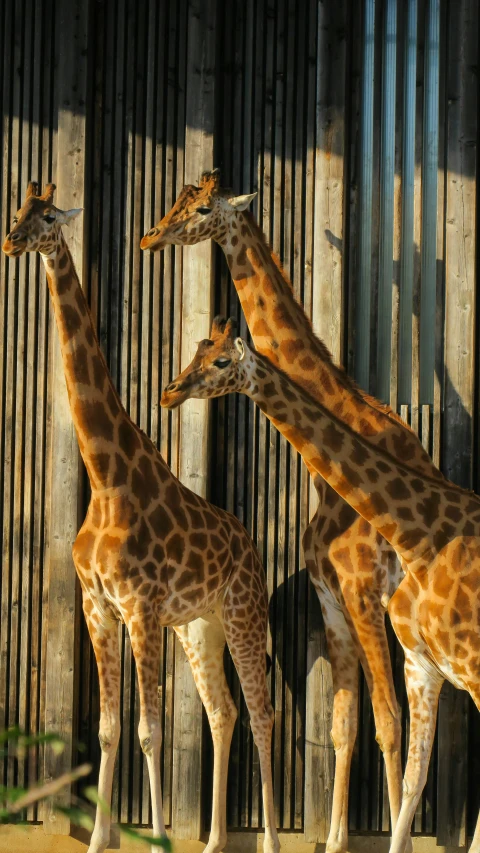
x: 107, y: 438
x: 409, y: 511
x: 281, y: 331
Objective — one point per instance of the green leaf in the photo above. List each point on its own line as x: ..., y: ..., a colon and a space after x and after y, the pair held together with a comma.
x: 10, y: 794
x: 91, y: 793
x: 77, y: 816
x: 13, y: 733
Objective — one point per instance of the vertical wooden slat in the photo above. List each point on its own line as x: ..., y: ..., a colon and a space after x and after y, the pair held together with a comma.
x: 387, y: 170
x: 408, y: 189
x: 429, y: 199
x: 66, y: 499
x: 49, y: 152
x: 197, y: 300
x: 327, y: 319
x: 460, y: 215
x: 275, y: 486
x: 363, y: 297
x: 438, y: 379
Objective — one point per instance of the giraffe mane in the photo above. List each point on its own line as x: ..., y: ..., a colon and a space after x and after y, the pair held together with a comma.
x: 441, y: 482
x: 323, y: 352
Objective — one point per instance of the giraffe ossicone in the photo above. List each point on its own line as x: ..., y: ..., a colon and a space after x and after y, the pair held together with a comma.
x: 151, y: 553
x: 433, y: 526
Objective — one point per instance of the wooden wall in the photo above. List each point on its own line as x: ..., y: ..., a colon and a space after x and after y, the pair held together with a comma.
x: 357, y: 124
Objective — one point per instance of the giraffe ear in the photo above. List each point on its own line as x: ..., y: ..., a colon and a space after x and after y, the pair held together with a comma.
x: 241, y: 202
x: 240, y: 345
x: 64, y: 217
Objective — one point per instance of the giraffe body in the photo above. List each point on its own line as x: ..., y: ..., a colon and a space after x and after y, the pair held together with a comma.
x: 433, y: 526
x: 151, y: 553
x: 282, y: 332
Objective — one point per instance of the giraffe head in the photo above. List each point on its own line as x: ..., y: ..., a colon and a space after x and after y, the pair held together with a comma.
x: 220, y: 366
x: 199, y: 213
x: 37, y: 225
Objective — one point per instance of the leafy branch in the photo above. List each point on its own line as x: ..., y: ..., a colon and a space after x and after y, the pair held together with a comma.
x: 13, y: 800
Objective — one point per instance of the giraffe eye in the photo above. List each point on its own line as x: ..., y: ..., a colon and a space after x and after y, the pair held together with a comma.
x: 49, y: 218
x: 204, y: 210
x: 222, y: 362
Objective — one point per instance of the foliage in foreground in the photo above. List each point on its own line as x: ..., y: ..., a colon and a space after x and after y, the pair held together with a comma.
x: 14, y: 800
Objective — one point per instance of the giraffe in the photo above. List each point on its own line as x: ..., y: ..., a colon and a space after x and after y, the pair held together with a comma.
x: 433, y: 526
x: 351, y: 605
x: 151, y: 553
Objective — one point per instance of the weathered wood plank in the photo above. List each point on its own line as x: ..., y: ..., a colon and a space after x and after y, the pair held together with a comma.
x: 407, y: 258
x: 16, y: 278
x: 460, y: 215
x: 65, y: 492
x: 327, y: 305
x: 197, y: 302
x: 413, y: 386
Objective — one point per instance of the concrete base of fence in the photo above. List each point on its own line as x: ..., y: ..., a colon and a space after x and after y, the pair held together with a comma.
x: 32, y: 839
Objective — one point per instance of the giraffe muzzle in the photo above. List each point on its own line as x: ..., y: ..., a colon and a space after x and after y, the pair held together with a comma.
x: 173, y: 395
x: 14, y: 244
x: 153, y: 240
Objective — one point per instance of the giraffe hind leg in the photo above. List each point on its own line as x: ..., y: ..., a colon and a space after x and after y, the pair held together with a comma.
x: 204, y: 641
x: 246, y: 639
x: 147, y: 660
x: 423, y: 689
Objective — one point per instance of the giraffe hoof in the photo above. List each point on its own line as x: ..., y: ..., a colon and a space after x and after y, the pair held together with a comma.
x: 215, y: 845
x: 336, y: 847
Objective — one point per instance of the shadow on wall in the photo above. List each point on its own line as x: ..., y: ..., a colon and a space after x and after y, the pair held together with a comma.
x: 254, y: 52
x: 456, y: 446
x: 455, y: 454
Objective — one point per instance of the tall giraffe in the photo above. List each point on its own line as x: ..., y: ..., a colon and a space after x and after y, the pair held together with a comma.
x: 151, y: 553
x: 433, y: 526
x: 281, y: 331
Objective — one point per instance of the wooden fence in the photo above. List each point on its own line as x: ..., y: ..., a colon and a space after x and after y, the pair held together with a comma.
x: 357, y: 124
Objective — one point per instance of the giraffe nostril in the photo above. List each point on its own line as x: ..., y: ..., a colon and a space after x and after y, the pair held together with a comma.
x: 153, y: 232
x: 16, y: 236
x: 171, y: 387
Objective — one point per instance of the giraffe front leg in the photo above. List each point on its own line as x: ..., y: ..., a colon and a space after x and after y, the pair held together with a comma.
x: 104, y: 636
x: 423, y: 689
x: 377, y: 668
x: 204, y: 641
x: 146, y: 651
x: 369, y: 624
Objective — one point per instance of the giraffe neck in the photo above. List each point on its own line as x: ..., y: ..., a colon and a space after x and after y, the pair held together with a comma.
x: 417, y: 515
x: 108, y: 440
x: 281, y: 330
